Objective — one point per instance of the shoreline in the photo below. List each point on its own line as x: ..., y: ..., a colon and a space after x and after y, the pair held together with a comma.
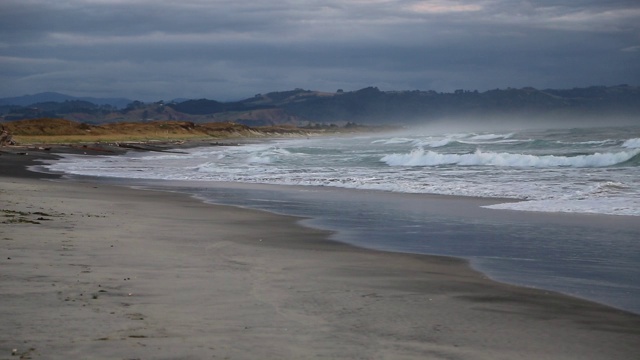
x: 474, y: 205
x: 245, y: 283
x: 471, y: 208
x: 461, y: 208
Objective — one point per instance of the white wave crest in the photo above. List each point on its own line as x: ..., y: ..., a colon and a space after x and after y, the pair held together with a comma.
x: 268, y: 156
x: 419, y: 157
x: 491, y: 136
x: 392, y: 141
x: 434, y: 143
x: 632, y: 143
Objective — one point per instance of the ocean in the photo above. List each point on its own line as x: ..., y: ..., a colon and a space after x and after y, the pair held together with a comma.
x: 557, y: 209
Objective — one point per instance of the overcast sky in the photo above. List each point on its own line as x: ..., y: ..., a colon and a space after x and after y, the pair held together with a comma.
x: 160, y: 50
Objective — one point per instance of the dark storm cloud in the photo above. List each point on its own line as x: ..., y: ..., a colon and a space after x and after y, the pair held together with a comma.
x: 229, y: 49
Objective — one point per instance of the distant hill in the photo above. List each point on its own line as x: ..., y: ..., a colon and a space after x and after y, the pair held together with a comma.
x: 204, y: 106
x: 370, y: 106
x: 28, y: 100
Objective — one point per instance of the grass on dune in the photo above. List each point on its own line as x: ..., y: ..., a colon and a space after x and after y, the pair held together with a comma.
x: 65, y: 131
x: 73, y: 139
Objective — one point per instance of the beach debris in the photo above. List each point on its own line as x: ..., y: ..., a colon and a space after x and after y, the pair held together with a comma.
x: 6, y: 138
x: 147, y: 147
x: 15, y: 216
x: 97, y: 148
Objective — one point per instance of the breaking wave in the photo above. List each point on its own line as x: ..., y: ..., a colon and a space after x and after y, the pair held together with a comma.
x: 632, y: 143
x: 420, y: 157
x: 484, y: 137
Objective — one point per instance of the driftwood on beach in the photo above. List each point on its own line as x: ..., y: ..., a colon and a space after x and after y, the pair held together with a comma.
x: 6, y: 138
x: 146, y: 147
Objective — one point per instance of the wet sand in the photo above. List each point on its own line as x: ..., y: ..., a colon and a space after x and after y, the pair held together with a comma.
x: 97, y: 271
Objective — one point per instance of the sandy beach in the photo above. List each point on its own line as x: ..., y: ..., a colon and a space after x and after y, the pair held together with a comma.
x: 93, y: 271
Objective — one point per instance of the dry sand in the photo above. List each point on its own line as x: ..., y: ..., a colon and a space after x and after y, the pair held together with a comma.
x: 90, y: 271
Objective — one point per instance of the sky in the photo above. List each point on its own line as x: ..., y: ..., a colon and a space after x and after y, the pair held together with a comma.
x: 154, y: 50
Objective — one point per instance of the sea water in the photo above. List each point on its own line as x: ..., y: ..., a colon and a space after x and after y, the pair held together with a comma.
x: 549, y: 171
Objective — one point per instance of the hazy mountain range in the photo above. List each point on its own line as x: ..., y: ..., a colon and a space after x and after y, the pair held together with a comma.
x: 365, y: 106
x: 27, y: 100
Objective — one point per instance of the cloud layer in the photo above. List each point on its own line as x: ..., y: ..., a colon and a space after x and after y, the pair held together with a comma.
x: 153, y: 50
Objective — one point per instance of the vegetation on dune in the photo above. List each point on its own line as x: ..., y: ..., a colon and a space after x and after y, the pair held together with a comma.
x: 47, y: 130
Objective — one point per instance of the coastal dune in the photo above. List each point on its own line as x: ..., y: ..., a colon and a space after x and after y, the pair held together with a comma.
x: 106, y: 272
